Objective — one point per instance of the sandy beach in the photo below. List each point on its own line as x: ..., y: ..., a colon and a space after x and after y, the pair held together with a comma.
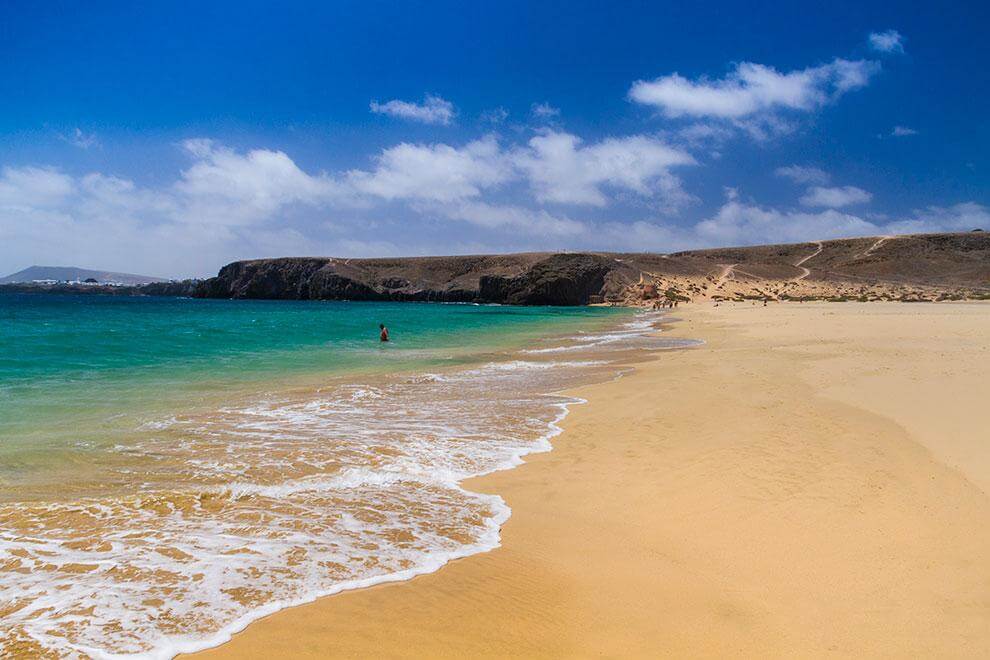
x: 813, y: 481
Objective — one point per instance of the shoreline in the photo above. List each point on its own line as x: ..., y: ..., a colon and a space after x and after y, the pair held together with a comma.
x: 683, y: 556
x: 491, y: 539
x: 491, y: 384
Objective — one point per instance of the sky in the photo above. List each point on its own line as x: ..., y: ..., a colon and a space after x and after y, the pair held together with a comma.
x: 171, y: 138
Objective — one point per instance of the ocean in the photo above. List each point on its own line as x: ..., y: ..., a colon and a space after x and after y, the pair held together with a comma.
x: 172, y: 469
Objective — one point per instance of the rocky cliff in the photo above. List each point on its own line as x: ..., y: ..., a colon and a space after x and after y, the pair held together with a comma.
x: 932, y: 266
x: 522, y: 279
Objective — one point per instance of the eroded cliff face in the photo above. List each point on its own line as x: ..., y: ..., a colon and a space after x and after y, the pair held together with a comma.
x: 559, y: 279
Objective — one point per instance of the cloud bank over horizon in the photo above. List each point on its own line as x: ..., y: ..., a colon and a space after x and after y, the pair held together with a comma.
x: 641, y: 183
x: 230, y: 204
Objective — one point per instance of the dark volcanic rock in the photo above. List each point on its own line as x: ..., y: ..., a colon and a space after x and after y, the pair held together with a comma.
x: 562, y: 279
x: 328, y: 285
x: 286, y: 279
x: 179, y: 289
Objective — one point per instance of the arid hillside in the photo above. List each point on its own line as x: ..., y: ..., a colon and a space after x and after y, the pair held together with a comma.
x: 918, y: 267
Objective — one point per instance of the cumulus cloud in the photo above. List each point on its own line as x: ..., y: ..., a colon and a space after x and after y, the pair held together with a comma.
x: 902, y: 131
x: 836, y: 197
x: 959, y: 217
x: 433, y: 110
x: 228, y: 204
x: 34, y: 187
x: 803, y: 174
x: 544, y: 111
x: 741, y: 223
x: 561, y: 170
x: 888, y: 41
x: 753, y: 89
x: 226, y: 187
x: 557, y: 165
x: 215, y: 211
x: 58, y: 218
x: 437, y: 172
x: 738, y: 223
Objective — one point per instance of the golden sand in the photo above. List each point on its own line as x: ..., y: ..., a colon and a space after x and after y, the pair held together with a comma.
x: 812, y: 482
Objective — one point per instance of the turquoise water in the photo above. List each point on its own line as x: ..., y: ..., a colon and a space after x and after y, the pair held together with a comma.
x: 77, y: 371
x: 171, y: 469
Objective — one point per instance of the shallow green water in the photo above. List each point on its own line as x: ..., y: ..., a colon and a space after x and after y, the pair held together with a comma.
x: 79, y: 373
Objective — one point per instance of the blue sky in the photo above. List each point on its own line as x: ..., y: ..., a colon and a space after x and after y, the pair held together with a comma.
x: 173, y: 138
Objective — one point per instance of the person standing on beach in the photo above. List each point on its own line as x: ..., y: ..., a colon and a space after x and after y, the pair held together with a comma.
x: 383, y: 335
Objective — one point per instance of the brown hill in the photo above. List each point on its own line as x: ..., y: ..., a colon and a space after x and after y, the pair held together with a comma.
x: 917, y: 267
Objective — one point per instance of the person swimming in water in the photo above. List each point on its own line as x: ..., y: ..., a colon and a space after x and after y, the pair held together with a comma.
x: 384, y: 332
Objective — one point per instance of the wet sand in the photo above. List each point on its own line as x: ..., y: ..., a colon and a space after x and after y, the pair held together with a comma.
x: 812, y: 482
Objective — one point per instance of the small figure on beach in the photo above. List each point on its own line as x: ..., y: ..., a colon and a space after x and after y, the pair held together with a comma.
x: 383, y: 335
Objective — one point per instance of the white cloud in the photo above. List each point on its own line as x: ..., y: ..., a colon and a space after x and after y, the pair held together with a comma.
x: 544, y: 111
x: 81, y: 139
x: 229, y: 204
x: 561, y: 170
x: 516, y: 218
x: 803, y: 174
x: 959, y: 217
x: 746, y: 223
x: 229, y: 188
x: 738, y: 223
x: 94, y: 220
x: 902, y: 131
x: 433, y: 110
x: 836, y: 197
x: 437, y: 172
x: 888, y: 41
x: 216, y: 210
x: 34, y: 187
x: 753, y: 89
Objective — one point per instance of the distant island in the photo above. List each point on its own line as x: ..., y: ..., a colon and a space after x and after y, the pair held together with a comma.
x: 910, y: 268
x: 74, y: 275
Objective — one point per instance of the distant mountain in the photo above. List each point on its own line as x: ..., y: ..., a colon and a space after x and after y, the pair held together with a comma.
x: 71, y: 273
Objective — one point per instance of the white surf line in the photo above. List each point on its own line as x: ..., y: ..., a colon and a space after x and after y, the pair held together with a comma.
x: 804, y: 271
